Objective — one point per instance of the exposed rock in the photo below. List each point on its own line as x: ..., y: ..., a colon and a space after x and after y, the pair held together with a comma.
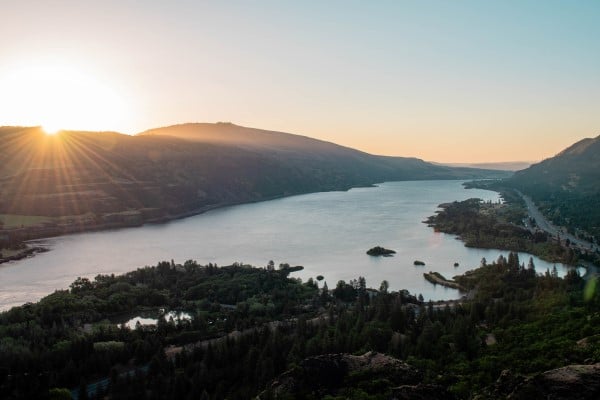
x: 326, y: 373
x: 578, y: 382
x: 506, y: 383
x: 571, y: 382
x: 586, y: 341
x: 490, y: 339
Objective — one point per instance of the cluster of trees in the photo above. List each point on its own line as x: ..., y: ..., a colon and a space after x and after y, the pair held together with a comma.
x: 498, y: 226
x: 566, y: 187
x: 72, y: 336
x: 46, y: 348
x: 574, y: 211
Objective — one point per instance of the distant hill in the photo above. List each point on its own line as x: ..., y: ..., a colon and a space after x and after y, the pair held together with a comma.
x: 182, y: 169
x: 296, y: 148
x: 247, y: 138
x: 500, y: 166
x: 567, y: 186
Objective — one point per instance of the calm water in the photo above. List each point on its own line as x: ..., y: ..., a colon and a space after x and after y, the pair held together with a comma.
x: 327, y: 233
x: 152, y: 320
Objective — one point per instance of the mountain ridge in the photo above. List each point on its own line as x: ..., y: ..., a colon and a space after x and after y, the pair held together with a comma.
x: 289, y: 143
x: 108, y: 179
x: 567, y: 186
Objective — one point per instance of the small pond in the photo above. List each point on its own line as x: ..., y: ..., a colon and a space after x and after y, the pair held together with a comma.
x: 151, y: 318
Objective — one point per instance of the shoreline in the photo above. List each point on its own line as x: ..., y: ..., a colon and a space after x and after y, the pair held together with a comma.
x: 37, y: 233
x: 438, y: 279
x: 591, y: 269
x: 24, y: 253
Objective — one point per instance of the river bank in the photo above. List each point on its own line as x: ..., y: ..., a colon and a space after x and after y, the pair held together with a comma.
x: 497, y: 225
x: 16, y: 237
x: 438, y: 279
x: 326, y: 232
x: 20, y: 254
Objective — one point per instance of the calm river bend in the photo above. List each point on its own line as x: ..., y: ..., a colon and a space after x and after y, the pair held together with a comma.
x: 328, y: 233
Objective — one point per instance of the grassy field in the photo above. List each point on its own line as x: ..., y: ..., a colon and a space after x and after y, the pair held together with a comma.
x: 16, y: 221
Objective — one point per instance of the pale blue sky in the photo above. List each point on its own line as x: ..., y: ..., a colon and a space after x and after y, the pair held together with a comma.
x: 453, y: 81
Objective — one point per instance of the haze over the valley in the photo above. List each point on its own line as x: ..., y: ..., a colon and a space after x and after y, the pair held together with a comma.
x: 453, y: 82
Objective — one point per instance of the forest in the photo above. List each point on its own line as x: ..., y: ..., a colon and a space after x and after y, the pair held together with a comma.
x: 566, y: 187
x: 250, y: 325
x: 499, y: 226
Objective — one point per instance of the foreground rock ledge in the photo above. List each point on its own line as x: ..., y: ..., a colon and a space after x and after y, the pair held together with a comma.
x: 578, y: 382
x: 325, y: 374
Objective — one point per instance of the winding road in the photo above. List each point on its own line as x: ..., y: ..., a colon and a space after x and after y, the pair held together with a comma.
x: 547, y: 226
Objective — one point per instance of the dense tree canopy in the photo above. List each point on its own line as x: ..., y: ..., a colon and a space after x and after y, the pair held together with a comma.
x: 250, y: 324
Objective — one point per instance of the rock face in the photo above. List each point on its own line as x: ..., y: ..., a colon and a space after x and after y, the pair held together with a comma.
x: 579, y: 382
x: 327, y: 374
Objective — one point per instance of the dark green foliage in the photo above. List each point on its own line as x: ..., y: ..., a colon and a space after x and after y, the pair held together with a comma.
x: 535, y: 322
x: 46, y: 344
x: 492, y: 225
x: 567, y: 187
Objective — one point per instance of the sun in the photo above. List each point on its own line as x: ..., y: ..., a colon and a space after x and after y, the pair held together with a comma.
x: 60, y: 96
x: 50, y: 130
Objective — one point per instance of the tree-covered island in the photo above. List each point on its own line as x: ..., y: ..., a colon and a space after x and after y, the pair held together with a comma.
x: 380, y: 251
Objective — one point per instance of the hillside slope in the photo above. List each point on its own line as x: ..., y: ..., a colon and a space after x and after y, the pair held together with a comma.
x: 567, y: 186
x: 110, y: 177
x: 306, y: 152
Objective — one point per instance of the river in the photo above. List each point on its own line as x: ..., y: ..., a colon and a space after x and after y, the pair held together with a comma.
x: 328, y: 233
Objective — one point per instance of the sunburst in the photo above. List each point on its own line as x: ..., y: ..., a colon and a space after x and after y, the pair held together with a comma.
x: 50, y: 129
x: 60, y: 96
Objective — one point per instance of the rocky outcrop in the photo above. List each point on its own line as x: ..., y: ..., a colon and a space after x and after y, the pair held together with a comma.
x: 326, y: 374
x: 578, y: 382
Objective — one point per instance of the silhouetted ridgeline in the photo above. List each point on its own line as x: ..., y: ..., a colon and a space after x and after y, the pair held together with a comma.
x: 105, y: 179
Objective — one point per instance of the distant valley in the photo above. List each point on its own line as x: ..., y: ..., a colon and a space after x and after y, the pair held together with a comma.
x: 501, y: 166
x: 77, y: 181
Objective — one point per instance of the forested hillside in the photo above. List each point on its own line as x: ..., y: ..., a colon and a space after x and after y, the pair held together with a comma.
x: 567, y: 186
x: 256, y: 331
x: 96, y: 179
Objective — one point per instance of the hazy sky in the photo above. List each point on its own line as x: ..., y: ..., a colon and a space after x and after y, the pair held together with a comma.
x: 450, y: 81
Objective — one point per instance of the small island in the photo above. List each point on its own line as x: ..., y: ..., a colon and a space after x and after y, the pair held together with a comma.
x: 380, y: 251
x: 418, y: 262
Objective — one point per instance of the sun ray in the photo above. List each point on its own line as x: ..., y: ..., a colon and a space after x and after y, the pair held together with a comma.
x: 103, y: 164
x: 66, y: 175
x: 61, y: 96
